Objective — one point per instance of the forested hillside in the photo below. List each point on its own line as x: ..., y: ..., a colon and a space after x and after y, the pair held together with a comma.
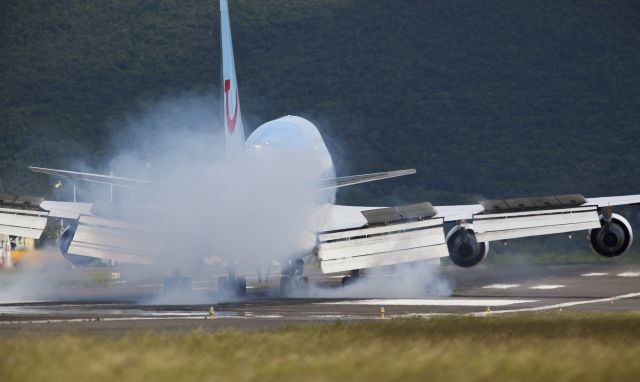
x: 485, y: 99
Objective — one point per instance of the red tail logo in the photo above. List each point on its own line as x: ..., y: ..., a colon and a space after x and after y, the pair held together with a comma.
x: 231, y: 122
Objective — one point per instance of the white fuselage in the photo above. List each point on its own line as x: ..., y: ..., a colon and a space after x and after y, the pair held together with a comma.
x: 303, y: 153
x: 299, y: 138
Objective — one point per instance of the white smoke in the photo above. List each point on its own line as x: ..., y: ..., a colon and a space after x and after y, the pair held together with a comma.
x: 420, y: 279
x: 248, y: 213
x: 36, y: 275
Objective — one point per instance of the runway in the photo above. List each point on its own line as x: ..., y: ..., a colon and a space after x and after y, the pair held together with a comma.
x: 478, y: 291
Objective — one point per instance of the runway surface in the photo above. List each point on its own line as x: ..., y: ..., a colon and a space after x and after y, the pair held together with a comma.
x: 138, y: 305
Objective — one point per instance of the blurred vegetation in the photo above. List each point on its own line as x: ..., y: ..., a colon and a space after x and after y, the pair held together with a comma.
x: 486, y: 100
x: 534, y: 347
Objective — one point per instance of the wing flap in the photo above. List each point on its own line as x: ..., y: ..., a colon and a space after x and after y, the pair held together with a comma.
x: 22, y: 216
x: 381, y: 245
x: 113, y: 254
x: 504, y: 226
x: 115, y: 240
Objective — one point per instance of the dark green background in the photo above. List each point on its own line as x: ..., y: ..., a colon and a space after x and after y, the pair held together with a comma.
x: 485, y: 99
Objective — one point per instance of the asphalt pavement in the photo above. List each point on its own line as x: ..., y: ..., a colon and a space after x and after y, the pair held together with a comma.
x: 123, y: 306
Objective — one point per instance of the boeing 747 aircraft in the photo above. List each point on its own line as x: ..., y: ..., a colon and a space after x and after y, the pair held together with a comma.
x: 345, y: 238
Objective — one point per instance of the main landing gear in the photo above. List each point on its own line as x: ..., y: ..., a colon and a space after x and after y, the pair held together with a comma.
x: 293, y: 281
x: 177, y: 283
x: 232, y: 285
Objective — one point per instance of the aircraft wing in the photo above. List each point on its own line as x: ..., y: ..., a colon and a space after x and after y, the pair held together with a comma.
x: 467, y: 211
x: 610, y: 201
x: 344, y: 217
x: 361, y: 237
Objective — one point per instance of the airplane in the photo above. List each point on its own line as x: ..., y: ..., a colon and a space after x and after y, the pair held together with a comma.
x: 346, y: 239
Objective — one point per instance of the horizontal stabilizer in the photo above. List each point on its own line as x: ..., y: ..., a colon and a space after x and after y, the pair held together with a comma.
x: 358, y: 179
x: 96, y: 178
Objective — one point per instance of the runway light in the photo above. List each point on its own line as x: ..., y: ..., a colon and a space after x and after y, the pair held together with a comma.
x: 560, y: 310
x: 488, y: 310
x: 212, y: 313
x: 382, y: 312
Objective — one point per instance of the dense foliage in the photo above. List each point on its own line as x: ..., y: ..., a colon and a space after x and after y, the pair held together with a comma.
x: 485, y: 99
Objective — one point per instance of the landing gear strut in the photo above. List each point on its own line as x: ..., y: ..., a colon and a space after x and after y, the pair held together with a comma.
x: 353, y: 278
x: 232, y: 285
x: 177, y: 283
x: 293, y: 281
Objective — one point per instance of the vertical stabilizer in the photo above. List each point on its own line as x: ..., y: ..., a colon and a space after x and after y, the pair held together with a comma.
x: 233, y: 129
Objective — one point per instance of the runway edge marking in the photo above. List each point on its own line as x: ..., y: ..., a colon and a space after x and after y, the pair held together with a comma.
x: 560, y: 305
x: 430, y: 302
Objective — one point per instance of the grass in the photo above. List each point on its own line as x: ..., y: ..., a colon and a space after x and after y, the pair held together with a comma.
x: 552, y: 346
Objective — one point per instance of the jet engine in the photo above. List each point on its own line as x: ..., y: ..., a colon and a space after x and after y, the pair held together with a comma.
x: 464, y: 249
x: 65, y: 243
x: 613, y: 238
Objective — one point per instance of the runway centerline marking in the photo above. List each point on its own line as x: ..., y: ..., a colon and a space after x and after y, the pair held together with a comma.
x: 629, y: 274
x: 544, y: 287
x: 500, y: 286
x: 429, y: 302
x: 594, y: 274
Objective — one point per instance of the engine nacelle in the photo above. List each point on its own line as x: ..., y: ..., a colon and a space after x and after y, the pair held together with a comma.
x: 464, y: 249
x: 612, y: 239
x: 65, y: 242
